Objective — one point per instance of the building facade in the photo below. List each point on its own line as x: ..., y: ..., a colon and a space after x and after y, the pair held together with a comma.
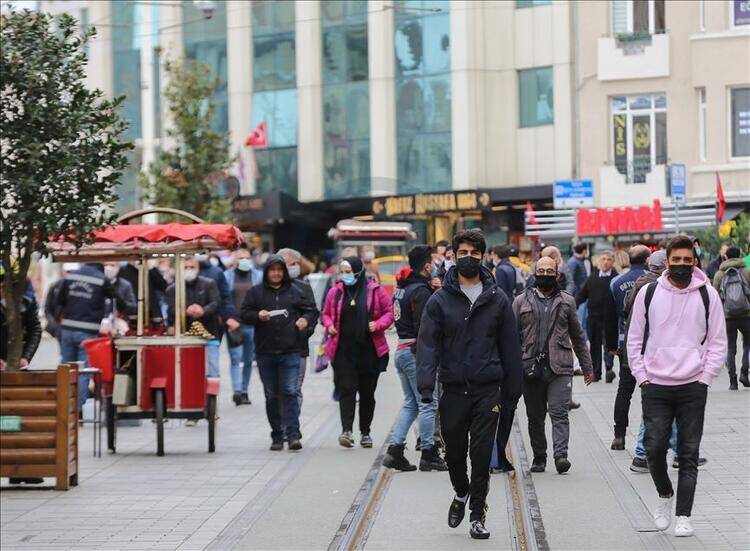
x: 363, y: 100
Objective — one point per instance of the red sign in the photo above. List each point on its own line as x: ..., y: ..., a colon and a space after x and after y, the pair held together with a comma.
x: 611, y: 221
x: 259, y: 137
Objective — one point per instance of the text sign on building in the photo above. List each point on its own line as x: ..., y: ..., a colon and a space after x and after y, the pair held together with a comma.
x: 741, y: 12
x: 678, y: 182
x: 430, y: 203
x: 573, y: 194
x: 620, y: 220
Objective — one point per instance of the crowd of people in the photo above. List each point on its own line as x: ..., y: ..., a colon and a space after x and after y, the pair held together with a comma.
x: 477, y: 330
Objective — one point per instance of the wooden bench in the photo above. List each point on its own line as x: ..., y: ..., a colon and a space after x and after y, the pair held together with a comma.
x: 47, y: 444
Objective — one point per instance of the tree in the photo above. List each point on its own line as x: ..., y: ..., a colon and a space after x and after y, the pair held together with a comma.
x: 59, y: 144
x: 188, y: 176
x: 736, y: 232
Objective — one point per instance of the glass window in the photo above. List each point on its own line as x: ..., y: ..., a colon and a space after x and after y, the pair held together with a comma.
x: 126, y: 64
x: 274, y: 66
x: 702, y: 136
x: 272, y: 16
x: 278, y: 110
x: 535, y: 95
x: 641, y: 17
x: 531, y: 3
x: 408, y: 43
x: 741, y: 122
x: 639, y: 135
x: 277, y: 170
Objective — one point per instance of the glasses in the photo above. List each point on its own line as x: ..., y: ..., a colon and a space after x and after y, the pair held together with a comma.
x: 548, y: 271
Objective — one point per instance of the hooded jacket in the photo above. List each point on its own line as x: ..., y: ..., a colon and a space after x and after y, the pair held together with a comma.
x: 411, y: 294
x: 82, y: 298
x: 737, y: 263
x: 505, y: 276
x: 477, y: 347
x: 278, y: 335
x: 620, y: 286
x: 32, y: 329
x: 674, y: 354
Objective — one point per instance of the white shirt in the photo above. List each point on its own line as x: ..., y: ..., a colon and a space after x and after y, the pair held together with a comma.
x: 605, y: 274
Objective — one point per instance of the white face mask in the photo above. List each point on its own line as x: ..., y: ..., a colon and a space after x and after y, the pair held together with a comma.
x: 294, y: 271
x: 214, y: 261
x: 110, y: 272
x: 448, y: 264
x: 190, y: 275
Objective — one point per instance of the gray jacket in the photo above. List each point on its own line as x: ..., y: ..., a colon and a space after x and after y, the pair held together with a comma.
x: 567, y: 335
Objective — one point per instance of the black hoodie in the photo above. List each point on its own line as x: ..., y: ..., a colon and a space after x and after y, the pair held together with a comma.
x: 477, y: 347
x: 409, y: 298
x: 279, y: 335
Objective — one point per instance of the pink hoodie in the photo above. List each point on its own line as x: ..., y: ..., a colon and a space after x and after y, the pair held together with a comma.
x: 674, y: 355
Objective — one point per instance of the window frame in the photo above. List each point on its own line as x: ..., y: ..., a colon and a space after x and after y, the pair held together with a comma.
x: 702, y: 125
x: 533, y: 4
x: 629, y: 114
x: 730, y: 129
x: 631, y: 18
x: 520, y: 95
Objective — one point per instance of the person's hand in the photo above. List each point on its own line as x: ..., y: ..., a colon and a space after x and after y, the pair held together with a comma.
x: 192, y: 311
x: 2, y: 365
x: 435, y: 283
x: 23, y: 362
x: 170, y: 330
x: 588, y: 377
x: 233, y: 324
x: 371, y: 326
x: 301, y: 324
x: 332, y: 330
x: 264, y: 315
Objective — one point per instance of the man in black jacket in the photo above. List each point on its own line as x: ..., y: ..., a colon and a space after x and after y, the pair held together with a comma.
x: 32, y: 329
x: 468, y: 330
x: 280, y: 312
x: 601, y: 324
x: 505, y: 272
x: 202, y: 301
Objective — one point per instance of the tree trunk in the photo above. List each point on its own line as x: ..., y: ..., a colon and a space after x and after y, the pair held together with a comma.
x: 15, y: 287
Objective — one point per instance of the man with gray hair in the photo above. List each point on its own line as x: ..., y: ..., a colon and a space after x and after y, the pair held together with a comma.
x: 292, y: 259
x: 564, y: 280
x: 601, y: 324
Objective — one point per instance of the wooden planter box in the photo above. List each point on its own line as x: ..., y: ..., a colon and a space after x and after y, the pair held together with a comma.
x: 47, y: 443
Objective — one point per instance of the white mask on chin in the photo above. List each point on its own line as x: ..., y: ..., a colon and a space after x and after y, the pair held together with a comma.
x: 190, y: 275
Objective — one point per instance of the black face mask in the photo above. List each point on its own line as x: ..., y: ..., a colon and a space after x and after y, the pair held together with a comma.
x: 681, y: 273
x: 546, y: 282
x: 468, y: 266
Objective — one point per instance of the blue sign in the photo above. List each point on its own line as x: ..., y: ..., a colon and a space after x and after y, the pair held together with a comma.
x: 678, y: 182
x: 573, y: 194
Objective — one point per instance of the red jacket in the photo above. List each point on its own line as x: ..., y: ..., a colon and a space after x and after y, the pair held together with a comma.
x: 382, y: 316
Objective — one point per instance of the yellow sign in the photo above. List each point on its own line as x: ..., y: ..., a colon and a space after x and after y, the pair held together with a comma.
x: 430, y: 203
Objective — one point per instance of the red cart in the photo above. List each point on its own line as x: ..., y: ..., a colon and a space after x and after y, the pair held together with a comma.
x: 148, y: 374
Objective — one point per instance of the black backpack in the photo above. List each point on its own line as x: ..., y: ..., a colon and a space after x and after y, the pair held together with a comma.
x: 734, y: 292
x: 647, y: 302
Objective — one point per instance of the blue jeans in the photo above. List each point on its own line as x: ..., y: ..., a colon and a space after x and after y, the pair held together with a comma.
x: 640, y: 451
x: 212, y: 351
x: 280, y: 374
x: 583, y: 315
x: 243, y: 353
x: 413, y: 408
x: 72, y: 351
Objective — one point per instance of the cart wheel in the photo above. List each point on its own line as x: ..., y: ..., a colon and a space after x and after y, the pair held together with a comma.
x: 111, y: 413
x: 211, y: 417
x: 159, y: 408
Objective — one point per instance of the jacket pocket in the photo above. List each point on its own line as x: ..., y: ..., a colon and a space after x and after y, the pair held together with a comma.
x: 674, y: 362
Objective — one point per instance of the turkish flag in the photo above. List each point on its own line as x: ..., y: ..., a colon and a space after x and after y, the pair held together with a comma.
x: 721, y: 204
x: 530, y: 210
x: 259, y: 137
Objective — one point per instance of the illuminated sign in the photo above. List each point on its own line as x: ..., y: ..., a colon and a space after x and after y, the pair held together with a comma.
x: 620, y: 220
x: 430, y: 203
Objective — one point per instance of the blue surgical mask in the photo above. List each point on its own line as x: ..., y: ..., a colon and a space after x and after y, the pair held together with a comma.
x: 245, y: 264
x: 698, y: 251
x: 449, y: 264
x: 348, y: 279
x: 434, y: 272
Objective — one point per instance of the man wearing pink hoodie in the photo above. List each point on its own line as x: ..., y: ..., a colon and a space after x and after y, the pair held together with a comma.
x: 676, y: 347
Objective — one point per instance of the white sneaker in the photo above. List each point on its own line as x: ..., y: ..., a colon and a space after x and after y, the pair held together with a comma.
x: 683, y: 528
x: 663, y: 513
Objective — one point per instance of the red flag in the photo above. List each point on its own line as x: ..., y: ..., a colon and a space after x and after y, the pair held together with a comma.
x: 259, y: 137
x: 721, y: 204
x: 530, y: 210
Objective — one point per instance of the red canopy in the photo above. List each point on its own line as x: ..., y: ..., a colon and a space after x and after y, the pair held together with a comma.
x: 225, y: 235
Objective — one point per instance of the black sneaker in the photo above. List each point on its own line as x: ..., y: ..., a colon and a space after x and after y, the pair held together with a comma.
x: 277, y: 445
x: 701, y: 462
x: 295, y: 444
x: 245, y: 399
x: 457, y: 511
x: 618, y: 443
x: 431, y: 460
x: 237, y: 397
x: 365, y: 441
x: 639, y: 465
x: 477, y: 530
x: 538, y: 465
x: 610, y: 376
x: 573, y: 404
x: 562, y: 465
x: 418, y: 447
x: 394, y: 459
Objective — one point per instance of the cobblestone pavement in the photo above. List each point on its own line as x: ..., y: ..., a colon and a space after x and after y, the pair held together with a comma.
x: 246, y: 497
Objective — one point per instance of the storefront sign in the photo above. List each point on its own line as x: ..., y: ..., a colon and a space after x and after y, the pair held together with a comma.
x: 621, y: 143
x: 430, y: 203
x: 622, y: 220
x: 255, y: 203
x: 741, y: 12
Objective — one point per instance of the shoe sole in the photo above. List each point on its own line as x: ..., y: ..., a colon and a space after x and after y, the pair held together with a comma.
x: 345, y: 442
x: 366, y: 445
x: 479, y: 536
x: 429, y: 469
x: 684, y: 535
x: 638, y: 470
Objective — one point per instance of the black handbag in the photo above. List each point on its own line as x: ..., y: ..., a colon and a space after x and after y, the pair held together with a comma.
x: 533, y: 368
x: 235, y: 338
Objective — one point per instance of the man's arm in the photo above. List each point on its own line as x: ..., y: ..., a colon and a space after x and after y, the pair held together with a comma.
x: 579, y: 341
x: 428, y: 348
x: 169, y: 294
x: 307, y: 307
x: 211, y: 308
x: 226, y: 306
x: 610, y: 322
x: 583, y: 294
x: 125, y: 299
x: 32, y: 332
x: 509, y: 348
x: 635, y: 337
x: 716, y: 340
x: 419, y: 300
x: 250, y: 307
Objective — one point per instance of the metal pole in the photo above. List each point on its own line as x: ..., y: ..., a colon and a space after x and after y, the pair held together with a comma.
x: 677, y: 216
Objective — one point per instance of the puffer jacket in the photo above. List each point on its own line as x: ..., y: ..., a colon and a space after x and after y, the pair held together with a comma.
x: 382, y: 315
x: 737, y: 263
x: 32, y: 329
x: 566, y: 338
x: 475, y: 346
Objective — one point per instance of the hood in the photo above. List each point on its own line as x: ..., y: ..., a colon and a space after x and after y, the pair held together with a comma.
x: 272, y: 260
x: 732, y: 263
x: 451, y: 279
x: 699, y: 280
x: 406, y: 276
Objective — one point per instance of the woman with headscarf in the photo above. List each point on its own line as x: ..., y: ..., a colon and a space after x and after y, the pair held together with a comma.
x: 356, y: 313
